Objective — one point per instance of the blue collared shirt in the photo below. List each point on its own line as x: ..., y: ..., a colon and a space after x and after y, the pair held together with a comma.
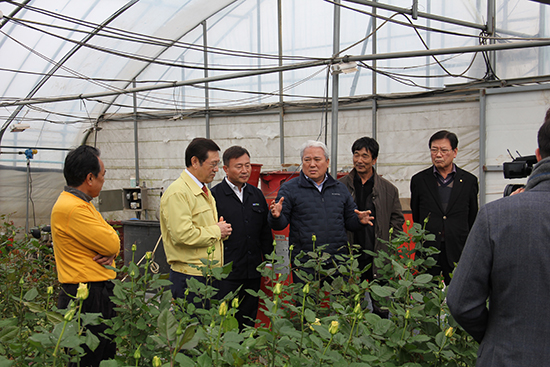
x: 320, y: 186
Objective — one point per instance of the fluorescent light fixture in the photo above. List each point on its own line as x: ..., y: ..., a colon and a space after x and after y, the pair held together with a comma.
x: 17, y: 128
x: 344, y: 67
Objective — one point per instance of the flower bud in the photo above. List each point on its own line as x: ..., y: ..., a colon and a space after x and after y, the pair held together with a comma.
x: 50, y: 290
x: 70, y: 314
x: 357, y: 309
x: 82, y: 291
x: 391, y: 231
x: 408, y: 314
x: 408, y: 223
x: 21, y: 281
x: 449, y: 332
x: 223, y: 309
x: 235, y: 303
x: 291, y: 248
x: 306, y: 288
x: 317, y: 322
x: 333, y: 328
x: 148, y: 255
x: 313, y: 238
x: 210, y: 250
x: 137, y: 354
x: 278, y: 288
x: 426, y: 220
x: 357, y: 296
x: 132, y: 273
x: 156, y: 362
x: 274, y: 243
x: 134, y: 247
x: 179, y: 330
x: 186, y: 293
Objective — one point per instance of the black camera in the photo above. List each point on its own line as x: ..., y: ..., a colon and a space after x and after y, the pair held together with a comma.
x: 520, y: 167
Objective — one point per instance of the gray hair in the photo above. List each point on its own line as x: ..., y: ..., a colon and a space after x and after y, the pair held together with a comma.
x: 313, y: 144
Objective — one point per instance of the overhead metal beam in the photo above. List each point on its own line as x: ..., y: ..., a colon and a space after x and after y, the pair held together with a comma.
x: 59, y: 64
x: 419, y: 14
x: 303, y: 65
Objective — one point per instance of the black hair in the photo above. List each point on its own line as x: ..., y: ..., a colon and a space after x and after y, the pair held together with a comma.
x: 444, y: 134
x: 79, y: 162
x: 199, y: 147
x: 543, y: 137
x: 233, y: 152
x: 369, y: 144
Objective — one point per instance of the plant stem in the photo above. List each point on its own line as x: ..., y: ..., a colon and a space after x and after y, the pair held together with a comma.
x: 59, y: 341
x: 302, y: 324
x: 351, y: 334
x: 330, y: 341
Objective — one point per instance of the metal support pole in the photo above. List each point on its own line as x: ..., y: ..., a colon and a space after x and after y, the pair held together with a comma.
x: 136, y: 154
x: 542, y: 33
x: 374, y: 118
x: 28, y: 194
x: 363, y: 51
x: 428, y: 42
x: 335, y: 94
x: 281, y: 99
x: 206, y: 90
x: 482, y: 146
x: 259, y: 46
x: 374, y: 50
x: 415, y: 9
x: 491, y: 6
x: 136, y: 150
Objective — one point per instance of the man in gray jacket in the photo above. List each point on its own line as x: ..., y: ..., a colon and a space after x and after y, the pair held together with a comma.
x: 506, y: 260
x: 374, y: 193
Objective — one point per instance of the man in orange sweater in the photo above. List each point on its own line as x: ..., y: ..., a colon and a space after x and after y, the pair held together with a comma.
x: 83, y: 243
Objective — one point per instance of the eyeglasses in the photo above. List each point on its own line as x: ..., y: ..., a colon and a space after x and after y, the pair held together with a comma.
x: 437, y: 150
x: 214, y: 164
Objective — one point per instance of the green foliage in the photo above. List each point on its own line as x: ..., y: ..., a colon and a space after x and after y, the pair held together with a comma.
x: 322, y: 320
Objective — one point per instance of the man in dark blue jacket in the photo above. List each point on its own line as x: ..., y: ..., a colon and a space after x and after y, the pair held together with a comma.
x: 316, y: 204
x: 244, y: 207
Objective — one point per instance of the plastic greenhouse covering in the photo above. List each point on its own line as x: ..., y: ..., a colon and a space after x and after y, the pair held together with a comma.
x: 56, y: 50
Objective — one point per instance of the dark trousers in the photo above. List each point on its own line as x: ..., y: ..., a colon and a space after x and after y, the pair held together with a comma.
x: 98, y: 301
x: 248, y: 304
x: 442, y: 267
x: 179, y: 286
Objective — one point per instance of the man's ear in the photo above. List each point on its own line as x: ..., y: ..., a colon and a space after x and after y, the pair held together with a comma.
x: 195, y: 161
x: 89, y: 178
x: 537, y: 153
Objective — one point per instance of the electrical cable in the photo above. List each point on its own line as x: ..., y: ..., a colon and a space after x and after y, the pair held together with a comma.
x: 143, y: 38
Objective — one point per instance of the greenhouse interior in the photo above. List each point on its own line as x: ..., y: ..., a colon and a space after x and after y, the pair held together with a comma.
x: 140, y: 79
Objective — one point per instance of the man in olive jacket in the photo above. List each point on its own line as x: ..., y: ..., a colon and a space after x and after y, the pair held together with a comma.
x: 374, y: 193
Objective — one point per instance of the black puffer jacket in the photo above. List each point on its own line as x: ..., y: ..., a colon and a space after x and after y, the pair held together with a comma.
x: 326, y: 214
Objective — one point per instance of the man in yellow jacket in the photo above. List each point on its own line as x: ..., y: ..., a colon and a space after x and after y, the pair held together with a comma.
x: 189, y: 220
x: 83, y: 243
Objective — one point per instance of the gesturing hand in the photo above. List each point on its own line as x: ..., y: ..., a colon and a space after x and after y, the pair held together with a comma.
x: 225, y: 228
x: 364, y: 217
x: 276, y: 207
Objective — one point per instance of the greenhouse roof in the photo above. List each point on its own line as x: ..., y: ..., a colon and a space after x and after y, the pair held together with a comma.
x: 68, y: 65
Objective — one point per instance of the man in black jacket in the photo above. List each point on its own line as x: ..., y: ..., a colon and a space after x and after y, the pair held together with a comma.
x: 244, y: 207
x: 447, y: 196
x: 314, y: 203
